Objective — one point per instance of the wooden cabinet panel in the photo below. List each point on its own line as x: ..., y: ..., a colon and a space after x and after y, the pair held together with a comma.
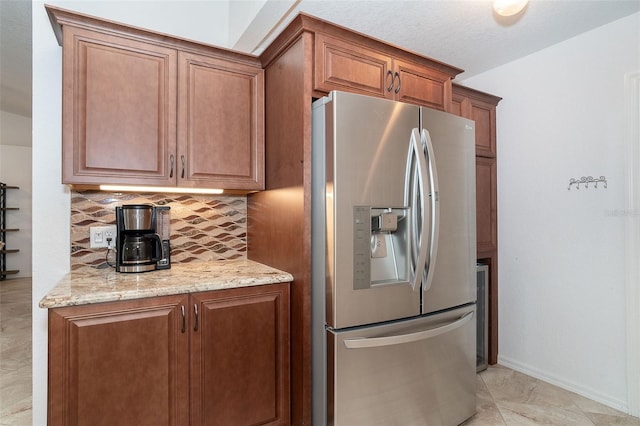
x: 422, y: 86
x: 119, y: 99
x: 143, y: 108
x: 481, y: 108
x: 240, y: 357
x: 157, y: 362
x: 484, y: 116
x: 486, y: 205
x: 459, y: 104
x: 340, y: 65
x: 346, y: 66
x: 220, y: 123
x: 121, y: 363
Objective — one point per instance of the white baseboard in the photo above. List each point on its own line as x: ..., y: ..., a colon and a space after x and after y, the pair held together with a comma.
x: 564, y: 384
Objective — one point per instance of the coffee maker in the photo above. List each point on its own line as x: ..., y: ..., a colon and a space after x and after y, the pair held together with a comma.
x: 142, y: 241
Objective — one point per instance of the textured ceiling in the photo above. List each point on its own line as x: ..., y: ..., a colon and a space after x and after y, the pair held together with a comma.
x: 467, y: 33
x: 463, y: 33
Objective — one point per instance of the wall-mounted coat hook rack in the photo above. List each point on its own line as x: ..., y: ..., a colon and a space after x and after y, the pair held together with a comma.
x: 586, y: 180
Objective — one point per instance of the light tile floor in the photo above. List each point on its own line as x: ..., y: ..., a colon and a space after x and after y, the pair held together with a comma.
x: 15, y: 352
x: 505, y: 397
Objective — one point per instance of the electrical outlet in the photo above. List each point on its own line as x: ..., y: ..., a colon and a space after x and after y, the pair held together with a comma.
x: 102, y: 236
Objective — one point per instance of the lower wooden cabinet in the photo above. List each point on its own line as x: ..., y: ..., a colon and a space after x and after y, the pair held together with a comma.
x: 211, y: 358
x: 240, y: 357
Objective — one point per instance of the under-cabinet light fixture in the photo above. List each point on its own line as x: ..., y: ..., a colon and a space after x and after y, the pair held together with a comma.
x: 509, y: 7
x: 165, y: 189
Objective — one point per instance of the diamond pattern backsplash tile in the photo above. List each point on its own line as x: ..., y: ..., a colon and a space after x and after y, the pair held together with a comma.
x: 203, y: 227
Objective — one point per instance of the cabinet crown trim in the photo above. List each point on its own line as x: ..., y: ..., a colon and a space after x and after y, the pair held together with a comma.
x: 307, y: 23
x: 459, y: 89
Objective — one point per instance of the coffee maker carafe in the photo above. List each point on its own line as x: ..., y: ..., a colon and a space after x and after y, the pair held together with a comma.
x: 142, y: 241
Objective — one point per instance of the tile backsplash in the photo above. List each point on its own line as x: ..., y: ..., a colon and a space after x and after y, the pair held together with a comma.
x: 203, y: 227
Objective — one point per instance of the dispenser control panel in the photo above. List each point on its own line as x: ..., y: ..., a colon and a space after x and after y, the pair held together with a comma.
x: 361, y: 247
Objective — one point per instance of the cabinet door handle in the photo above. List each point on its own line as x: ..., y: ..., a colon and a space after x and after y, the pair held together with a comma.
x: 182, y: 159
x: 399, y: 83
x: 184, y: 320
x: 390, y: 74
x: 171, y: 171
x: 195, y: 312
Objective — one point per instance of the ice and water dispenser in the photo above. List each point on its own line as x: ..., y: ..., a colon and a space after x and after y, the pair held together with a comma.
x: 381, y: 245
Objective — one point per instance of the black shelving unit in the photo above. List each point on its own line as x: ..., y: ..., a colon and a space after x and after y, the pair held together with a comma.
x: 4, y: 229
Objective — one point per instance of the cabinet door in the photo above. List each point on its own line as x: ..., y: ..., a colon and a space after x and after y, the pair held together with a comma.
x: 484, y: 114
x: 220, y: 124
x: 481, y: 108
x: 422, y: 86
x: 240, y: 357
x: 340, y: 65
x: 459, y: 105
x: 121, y: 363
x: 119, y: 103
x: 486, y: 206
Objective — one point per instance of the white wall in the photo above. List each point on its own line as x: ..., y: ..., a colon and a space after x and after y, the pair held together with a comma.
x: 14, y: 129
x: 561, y: 252
x: 51, y: 199
x: 241, y: 13
x: 254, y: 23
x: 203, y: 21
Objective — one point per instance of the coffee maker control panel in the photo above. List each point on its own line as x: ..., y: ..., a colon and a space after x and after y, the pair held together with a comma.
x: 163, y: 220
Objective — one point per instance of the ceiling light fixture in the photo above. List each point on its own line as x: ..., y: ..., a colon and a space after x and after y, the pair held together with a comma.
x: 509, y: 7
x: 168, y: 189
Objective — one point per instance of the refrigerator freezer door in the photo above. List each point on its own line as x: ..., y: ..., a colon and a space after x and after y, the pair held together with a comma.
x: 366, y: 141
x: 411, y: 372
x: 453, y: 274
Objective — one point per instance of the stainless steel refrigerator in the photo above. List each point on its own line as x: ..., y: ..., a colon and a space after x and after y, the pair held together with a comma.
x: 393, y: 264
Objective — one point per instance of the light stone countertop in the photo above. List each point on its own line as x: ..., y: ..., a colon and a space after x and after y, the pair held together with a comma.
x: 91, y: 285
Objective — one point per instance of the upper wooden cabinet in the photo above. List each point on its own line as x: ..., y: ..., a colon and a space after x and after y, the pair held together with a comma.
x: 481, y: 108
x: 220, y: 123
x: 349, y: 61
x: 343, y: 65
x: 147, y: 109
x: 119, y: 103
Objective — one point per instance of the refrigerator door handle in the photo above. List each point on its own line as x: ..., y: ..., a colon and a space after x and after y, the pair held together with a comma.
x: 375, y: 342
x: 434, y: 207
x: 416, y: 151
